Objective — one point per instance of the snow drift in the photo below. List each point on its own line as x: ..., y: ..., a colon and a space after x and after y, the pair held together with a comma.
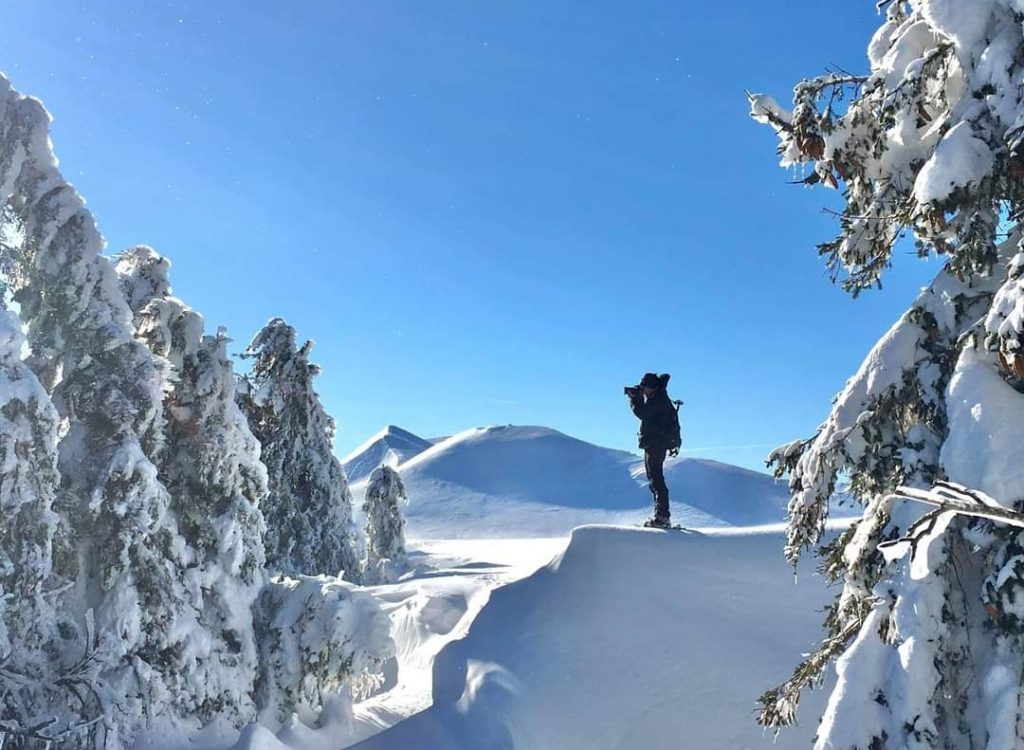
x: 534, y: 481
x: 630, y: 638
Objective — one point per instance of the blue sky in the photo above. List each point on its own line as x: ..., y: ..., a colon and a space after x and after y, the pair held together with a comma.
x: 483, y: 212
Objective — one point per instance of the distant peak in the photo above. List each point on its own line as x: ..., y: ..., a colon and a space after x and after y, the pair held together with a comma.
x: 396, y: 431
x: 377, y: 448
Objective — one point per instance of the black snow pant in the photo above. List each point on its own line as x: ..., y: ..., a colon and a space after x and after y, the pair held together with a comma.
x: 654, y: 465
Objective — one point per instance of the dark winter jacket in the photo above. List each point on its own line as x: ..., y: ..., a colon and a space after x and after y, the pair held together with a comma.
x: 657, y: 419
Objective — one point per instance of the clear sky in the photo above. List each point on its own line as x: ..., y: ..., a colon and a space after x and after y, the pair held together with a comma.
x: 483, y: 212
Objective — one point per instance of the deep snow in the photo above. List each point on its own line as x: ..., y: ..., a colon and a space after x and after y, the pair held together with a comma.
x: 628, y: 639
x: 615, y: 637
x: 536, y: 482
x: 450, y: 583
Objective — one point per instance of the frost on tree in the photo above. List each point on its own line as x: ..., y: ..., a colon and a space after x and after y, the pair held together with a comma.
x: 309, y: 507
x: 123, y: 547
x: 930, y: 143
x: 48, y: 688
x: 211, y: 466
x: 385, y: 532
x: 323, y: 641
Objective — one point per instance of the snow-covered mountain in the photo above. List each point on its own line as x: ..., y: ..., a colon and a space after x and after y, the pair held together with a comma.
x: 391, y: 446
x: 534, y: 481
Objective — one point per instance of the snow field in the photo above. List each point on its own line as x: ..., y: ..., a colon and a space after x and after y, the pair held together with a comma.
x: 628, y: 639
x: 450, y: 583
x: 434, y: 604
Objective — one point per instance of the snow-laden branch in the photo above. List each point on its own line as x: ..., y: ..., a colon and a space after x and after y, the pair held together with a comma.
x: 956, y: 498
x: 949, y: 500
x: 932, y: 144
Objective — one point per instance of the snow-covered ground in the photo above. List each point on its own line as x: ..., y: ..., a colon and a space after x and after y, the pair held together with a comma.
x: 537, y: 635
x: 514, y: 481
x: 451, y: 582
x: 614, y: 638
x: 434, y: 604
x: 628, y: 639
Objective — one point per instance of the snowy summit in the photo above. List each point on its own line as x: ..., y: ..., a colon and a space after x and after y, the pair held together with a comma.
x: 389, y: 447
x: 521, y: 481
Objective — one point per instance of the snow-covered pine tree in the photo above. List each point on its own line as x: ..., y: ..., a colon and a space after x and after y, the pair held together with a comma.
x: 309, y: 507
x: 47, y: 690
x: 128, y: 559
x: 931, y: 141
x: 211, y: 466
x: 385, y: 532
x: 323, y: 641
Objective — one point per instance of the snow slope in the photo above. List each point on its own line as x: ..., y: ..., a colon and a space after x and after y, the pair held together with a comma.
x: 451, y: 581
x: 434, y: 604
x: 534, y: 481
x: 391, y: 446
x: 629, y: 639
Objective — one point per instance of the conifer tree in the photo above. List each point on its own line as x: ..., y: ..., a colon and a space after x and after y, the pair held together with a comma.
x: 385, y: 534
x: 309, y: 506
x: 141, y: 617
x: 44, y: 692
x: 211, y: 467
x: 321, y: 639
x: 128, y: 559
x: 930, y: 142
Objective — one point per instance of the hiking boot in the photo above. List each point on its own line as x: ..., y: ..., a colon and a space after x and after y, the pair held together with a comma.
x: 657, y: 523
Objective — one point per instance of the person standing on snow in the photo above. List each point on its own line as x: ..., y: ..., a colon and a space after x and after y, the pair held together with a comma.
x: 659, y: 434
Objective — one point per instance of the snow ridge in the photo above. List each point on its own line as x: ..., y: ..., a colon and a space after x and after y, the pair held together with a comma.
x: 544, y: 664
x: 391, y: 446
x: 532, y: 481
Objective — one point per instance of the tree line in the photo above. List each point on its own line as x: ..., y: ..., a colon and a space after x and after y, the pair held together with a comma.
x: 176, y: 540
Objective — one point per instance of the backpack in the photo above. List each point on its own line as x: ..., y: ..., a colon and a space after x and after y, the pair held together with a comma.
x: 675, y: 432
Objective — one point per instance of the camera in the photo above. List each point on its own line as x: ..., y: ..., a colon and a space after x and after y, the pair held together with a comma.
x: 631, y: 390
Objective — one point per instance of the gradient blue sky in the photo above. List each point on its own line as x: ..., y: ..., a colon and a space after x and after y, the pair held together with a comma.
x: 485, y: 212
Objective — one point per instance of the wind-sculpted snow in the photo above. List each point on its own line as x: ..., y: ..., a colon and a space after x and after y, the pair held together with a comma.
x: 534, y: 481
x: 629, y: 639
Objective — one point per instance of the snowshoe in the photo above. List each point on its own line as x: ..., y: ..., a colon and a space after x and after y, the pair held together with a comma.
x: 663, y: 524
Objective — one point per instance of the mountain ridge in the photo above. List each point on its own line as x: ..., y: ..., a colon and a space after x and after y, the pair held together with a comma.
x: 391, y: 445
x: 529, y: 481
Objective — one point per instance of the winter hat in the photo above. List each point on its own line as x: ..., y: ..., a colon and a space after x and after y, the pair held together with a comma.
x: 649, y: 380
